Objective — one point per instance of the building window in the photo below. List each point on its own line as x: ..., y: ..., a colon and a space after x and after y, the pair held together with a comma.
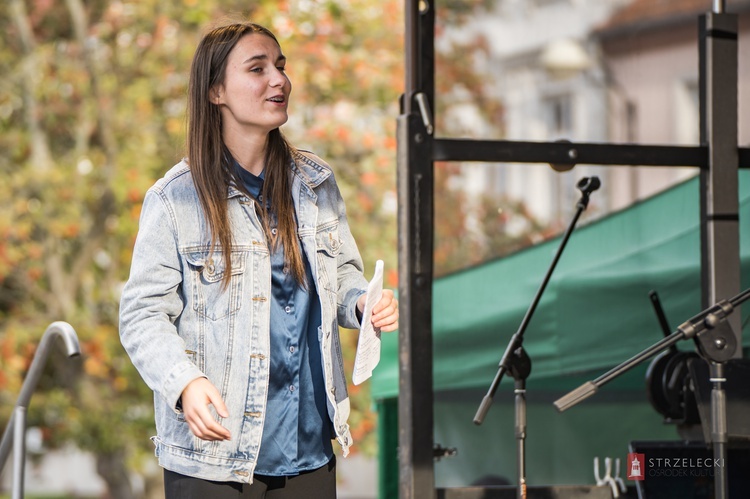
x: 687, y: 112
x: 558, y: 116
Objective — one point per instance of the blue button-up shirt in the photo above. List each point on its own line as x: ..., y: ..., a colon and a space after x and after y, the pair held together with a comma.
x: 297, y: 429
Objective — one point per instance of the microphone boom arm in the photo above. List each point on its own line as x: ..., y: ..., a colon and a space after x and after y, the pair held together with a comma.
x: 587, y: 185
x: 715, y: 347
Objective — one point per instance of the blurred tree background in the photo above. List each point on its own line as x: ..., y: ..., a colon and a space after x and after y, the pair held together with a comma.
x: 92, y: 112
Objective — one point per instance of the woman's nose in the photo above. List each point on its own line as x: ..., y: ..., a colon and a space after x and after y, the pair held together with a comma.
x: 279, y: 79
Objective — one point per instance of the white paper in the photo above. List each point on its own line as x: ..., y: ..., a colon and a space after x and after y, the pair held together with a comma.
x: 368, y: 346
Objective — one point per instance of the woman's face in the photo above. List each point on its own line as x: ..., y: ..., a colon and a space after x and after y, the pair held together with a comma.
x: 255, y: 93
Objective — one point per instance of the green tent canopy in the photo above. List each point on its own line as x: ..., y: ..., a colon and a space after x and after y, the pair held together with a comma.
x: 594, y: 314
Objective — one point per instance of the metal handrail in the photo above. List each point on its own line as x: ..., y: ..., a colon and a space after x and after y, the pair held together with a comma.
x: 16, y: 429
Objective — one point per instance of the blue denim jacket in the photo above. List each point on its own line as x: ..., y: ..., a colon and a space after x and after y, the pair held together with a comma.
x: 178, y: 323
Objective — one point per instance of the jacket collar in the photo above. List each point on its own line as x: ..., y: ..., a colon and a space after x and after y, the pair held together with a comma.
x: 309, y: 168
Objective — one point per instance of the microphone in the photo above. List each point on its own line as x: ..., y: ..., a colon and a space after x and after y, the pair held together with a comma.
x: 587, y: 185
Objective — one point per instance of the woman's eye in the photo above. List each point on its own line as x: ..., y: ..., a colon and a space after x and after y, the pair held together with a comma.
x: 281, y: 68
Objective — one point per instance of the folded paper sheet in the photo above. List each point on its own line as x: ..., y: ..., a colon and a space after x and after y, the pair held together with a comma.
x: 368, y: 347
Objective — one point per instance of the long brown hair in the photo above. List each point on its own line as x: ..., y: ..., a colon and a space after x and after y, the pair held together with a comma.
x: 211, y: 164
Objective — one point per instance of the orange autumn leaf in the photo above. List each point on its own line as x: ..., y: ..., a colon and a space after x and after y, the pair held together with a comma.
x: 368, y: 178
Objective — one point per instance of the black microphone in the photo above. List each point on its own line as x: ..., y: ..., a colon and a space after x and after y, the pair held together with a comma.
x: 587, y: 185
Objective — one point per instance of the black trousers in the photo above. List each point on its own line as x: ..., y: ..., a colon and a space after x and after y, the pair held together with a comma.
x: 315, y: 484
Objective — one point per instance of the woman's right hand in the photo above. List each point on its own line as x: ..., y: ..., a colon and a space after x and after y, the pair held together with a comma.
x: 196, y: 397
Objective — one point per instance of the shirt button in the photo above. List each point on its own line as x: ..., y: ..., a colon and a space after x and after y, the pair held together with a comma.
x: 291, y: 388
x: 291, y: 349
x: 288, y: 309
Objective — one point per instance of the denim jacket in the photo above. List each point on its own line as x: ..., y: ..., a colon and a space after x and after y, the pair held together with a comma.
x: 178, y: 323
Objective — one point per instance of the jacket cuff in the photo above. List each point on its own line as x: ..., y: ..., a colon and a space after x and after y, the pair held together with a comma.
x: 353, y: 315
x: 180, y: 376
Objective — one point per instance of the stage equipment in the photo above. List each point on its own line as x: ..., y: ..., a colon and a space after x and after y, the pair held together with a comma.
x: 668, y: 380
x: 717, y: 157
x: 515, y: 360
x: 717, y: 344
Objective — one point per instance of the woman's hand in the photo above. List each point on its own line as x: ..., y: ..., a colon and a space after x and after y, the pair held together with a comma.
x: 385, y: 311
x: 195, y: 399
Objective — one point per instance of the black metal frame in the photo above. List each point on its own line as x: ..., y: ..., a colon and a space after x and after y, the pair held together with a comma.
x: 418, y: 149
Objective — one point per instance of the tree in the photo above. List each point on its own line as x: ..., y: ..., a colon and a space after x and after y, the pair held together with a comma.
x: 92, y: 107
x: 91, y: 113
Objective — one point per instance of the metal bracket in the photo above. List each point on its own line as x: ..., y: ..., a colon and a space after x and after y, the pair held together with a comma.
x: 424, y: 110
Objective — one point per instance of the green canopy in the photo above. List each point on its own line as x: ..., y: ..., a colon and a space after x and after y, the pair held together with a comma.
x: 594, y: 314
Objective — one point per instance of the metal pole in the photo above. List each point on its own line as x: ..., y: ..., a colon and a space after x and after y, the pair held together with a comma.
x: 19, y: 451
x: 720, y: 248
x: 416, y: 233
x: 719, y: 6
x: 719, y: 435
x: 411, y: 52
x: 415, y: 398
x: 719, y: 183
x: 72, y: 349
x: 520, y: 392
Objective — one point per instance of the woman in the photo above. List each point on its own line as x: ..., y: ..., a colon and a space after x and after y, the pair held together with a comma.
x: 243, y: 269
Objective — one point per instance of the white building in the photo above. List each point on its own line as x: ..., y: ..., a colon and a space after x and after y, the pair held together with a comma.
x: 609, y: 71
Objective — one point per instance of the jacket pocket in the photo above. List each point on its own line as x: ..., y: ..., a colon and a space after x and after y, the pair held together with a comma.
x: 327, y: 239
x: 211, y: 298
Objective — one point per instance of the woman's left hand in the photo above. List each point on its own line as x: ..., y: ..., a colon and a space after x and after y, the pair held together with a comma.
x: 385, y: 311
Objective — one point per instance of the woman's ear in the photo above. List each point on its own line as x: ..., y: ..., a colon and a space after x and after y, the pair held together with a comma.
x: 215, y: 95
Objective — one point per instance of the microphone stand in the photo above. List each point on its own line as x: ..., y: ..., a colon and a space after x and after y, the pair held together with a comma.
x: 716, y: 344
x: 516, y: 361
